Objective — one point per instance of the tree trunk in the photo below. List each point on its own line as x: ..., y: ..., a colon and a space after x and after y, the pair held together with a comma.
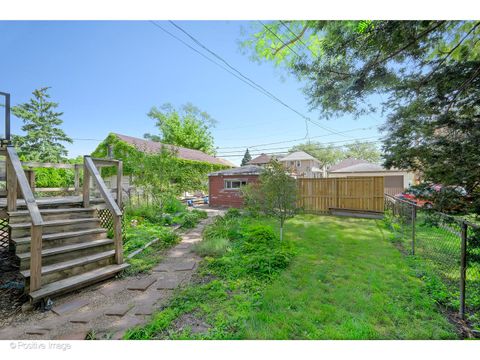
x: 281, y: 232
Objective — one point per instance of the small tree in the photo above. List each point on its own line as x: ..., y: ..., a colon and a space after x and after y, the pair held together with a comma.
x: 156, y: 174
x: 275, y: 194
x: 44, y: 137
x: 246, y: 158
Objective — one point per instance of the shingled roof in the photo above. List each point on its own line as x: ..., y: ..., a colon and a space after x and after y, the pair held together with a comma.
x: 347, y: 163
x: 149, y: 146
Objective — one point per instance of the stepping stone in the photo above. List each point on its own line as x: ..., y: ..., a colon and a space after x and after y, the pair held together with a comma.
x: 76, y: 335
x: 69, y: 306
x: 83, y: 318
x: 184, y: 266
x: 38, y: 331
x: 150, y: 297
x: 124, y: 325
x: 118, y: 310
x: 141, y: 285
x: 183, y: 245
x: 111, y: 289
x: 162, y: 268
x: 168, y: 284
x: 143, y: 310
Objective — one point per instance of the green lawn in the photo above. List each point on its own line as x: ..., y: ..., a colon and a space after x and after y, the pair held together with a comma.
x: 346, y: 281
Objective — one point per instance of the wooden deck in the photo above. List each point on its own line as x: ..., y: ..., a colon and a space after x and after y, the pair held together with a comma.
x: 52, y: 201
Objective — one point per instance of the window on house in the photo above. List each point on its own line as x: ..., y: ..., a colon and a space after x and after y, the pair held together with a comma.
x: 234, y: 184
x: 292, y: 163
x: 298, y: 163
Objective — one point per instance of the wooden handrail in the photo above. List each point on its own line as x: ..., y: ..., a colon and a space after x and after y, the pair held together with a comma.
x: 19, y: 174
x: 106, y: 194
x: 90, y: 170
x: 16, y: 175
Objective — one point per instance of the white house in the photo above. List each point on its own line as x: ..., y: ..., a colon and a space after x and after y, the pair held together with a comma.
x: 301, y: 164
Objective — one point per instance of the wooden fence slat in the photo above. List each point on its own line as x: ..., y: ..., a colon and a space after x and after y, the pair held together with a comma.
x: 353, y: 193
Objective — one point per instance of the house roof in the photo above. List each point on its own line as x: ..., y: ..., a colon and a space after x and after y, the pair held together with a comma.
x: 359, y: 166
x: 242, y: 170
x: 298, y: 155
x: 346, y: 163
x: 183, y: 153
x: 261, y: 159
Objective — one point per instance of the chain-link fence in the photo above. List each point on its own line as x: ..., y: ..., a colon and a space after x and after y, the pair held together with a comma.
x: 448, y: 249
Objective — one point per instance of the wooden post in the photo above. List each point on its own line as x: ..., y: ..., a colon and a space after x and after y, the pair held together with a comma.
x: 12, y: 185
x: 36, y: 258
x: 463, y: 269
x: 77, y: 179
x: 414, y: 218
x: 119, y: 183
x: 117, y: 233
x: 86, y: 186
x: 31, y: 179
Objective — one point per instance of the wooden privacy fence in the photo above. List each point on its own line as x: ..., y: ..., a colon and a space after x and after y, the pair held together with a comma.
x: 350, y: 193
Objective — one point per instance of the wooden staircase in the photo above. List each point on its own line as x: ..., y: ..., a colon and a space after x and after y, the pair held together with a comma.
x: 61, y: 245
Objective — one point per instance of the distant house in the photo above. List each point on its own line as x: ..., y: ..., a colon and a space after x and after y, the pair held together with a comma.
x: 224, y: 185
x: 121, y: 145
x: 303, y: 165
x: 396, y: 180
x: 262, y: 160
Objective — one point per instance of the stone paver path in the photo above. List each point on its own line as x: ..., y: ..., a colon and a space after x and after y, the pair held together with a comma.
x: 109, y: 309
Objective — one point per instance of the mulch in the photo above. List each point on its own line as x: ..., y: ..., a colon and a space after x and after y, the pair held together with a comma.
x: 11, y: 286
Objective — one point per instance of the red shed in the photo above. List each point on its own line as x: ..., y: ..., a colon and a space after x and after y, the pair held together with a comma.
x: 224, y: 185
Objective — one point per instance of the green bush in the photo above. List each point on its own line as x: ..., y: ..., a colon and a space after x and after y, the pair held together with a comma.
x: 256, y: 250
x: 190, y: 219
x: 173, y: 206
x: 232, y: 213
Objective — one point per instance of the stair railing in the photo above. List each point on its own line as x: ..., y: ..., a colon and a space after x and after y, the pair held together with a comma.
x: 16, y: 176
x: 91, y: 172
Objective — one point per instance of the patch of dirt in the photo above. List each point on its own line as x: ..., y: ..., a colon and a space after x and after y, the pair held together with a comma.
x: 464, y: 329
x: 11, y: 287
x: 189, y: 321
x: 202, y: 279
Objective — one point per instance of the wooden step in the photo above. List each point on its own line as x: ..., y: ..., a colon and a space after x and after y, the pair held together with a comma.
x: 22, y: 245
x: 62, y: 270
x: 23, y: 216
x: 55, y: 226
x: 76, y: 282
x: 67, y: 252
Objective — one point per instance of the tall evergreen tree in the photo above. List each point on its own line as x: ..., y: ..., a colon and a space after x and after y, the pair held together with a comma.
x: 246, y: 158
x: 44, y: 138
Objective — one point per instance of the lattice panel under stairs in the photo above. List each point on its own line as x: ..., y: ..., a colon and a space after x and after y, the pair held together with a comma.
x: 106, y: 220
x: 4, y: 238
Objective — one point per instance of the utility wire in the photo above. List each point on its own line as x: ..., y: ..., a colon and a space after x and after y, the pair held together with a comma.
x: 293, y: 140
x: 248, y: 79
x: 287, y: 147
x: 283, y: 152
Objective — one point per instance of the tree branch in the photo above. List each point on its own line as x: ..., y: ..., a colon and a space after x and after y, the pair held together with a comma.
x: 290, y: 42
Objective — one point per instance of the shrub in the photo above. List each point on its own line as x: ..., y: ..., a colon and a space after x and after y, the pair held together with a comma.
x: 173, y: 206
x: 190, y: 219
x: 212, y: 246
x: 232, y: 213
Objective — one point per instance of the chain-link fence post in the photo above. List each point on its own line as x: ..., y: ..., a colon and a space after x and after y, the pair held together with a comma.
x: 463, y: 268
x: 414, y: 219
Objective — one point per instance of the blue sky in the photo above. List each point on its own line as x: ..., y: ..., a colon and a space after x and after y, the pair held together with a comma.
x: 107, y: 75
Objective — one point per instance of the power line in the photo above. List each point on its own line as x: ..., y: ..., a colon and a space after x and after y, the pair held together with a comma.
x: 290, y: 141
x: 283, y: 152
x: 287, y: 147
x: 254, y: 84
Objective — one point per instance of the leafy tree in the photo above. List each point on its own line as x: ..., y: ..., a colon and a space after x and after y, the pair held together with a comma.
x: 427, y: 73
x: 327, y: 155
x: 44, y: 138
x: 187, y: 127
x: 246, y: 158
x: 275, y: 194
x: 363, y: 150
x: 155, y: 174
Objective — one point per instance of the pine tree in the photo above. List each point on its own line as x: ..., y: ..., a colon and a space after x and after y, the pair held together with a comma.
x: 44, y: 138
x: 246, y: 158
